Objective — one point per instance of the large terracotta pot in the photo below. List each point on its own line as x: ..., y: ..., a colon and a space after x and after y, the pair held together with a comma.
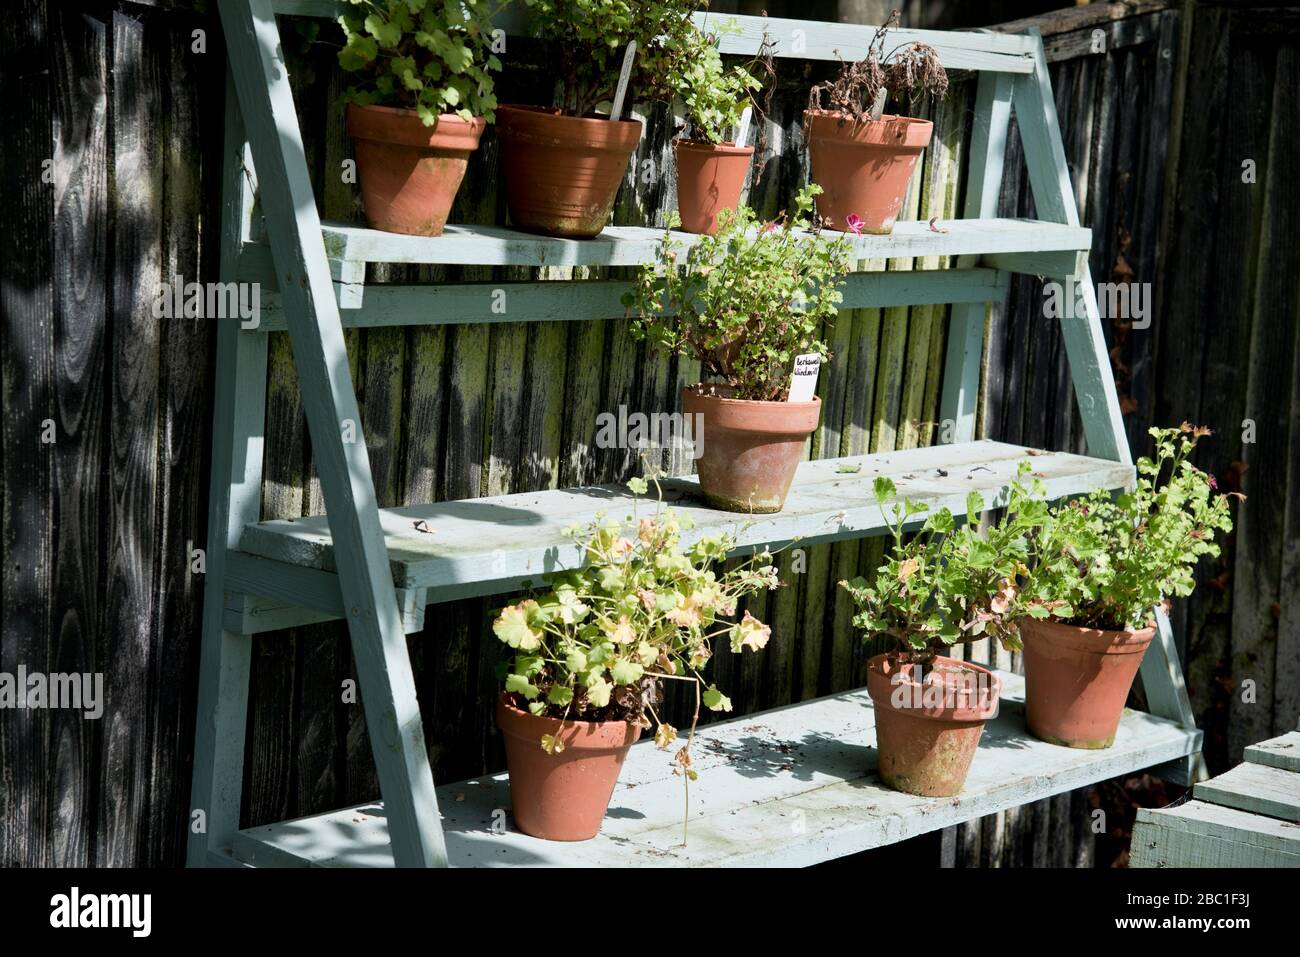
x: 410, y: 172
x: 562, y: 796
x: 863, y: 167
x: 562, y: 172
x: 1077, y: 680
x: 928, y: 726
x: 710, y: 177
x: 751, y: 449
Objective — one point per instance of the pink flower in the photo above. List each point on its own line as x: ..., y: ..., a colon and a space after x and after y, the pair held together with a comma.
x: 855, y: 223
x: 1214, y: 483
x: 769, y: 227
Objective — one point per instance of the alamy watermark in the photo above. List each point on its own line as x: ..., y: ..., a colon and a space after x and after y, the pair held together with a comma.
x: 37, y: 690
x: 657, y: 431
x: 179, y: 299
x: 133, y: 912
x: 964, y: 689
x: 1129, y: 301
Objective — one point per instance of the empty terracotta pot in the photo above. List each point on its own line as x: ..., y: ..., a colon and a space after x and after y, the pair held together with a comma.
x: 863, y: 167
x: 409, y: 172
x: 710, y: 177
x: 562, y: 172
x: 562, y: 796
x: 929, y: 720
x: 750, y: 449
x: 1077, y: 680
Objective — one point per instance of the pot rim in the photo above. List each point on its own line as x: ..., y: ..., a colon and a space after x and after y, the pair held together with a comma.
x: 570, y: 726
x: 704, y: 146
x: 693, y: 391
x: 402, y: 126
x: 555, y: 113
x: 907, y: 133
x: 980, y: 707
x: 885, y: 118
x: 1095, y: 641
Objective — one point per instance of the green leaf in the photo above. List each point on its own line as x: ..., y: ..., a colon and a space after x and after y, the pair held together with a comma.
x: 513, y: 627
x: 625, y: 672
x: 518, y: 684
x: 715, y: 700
x: 598, y: 692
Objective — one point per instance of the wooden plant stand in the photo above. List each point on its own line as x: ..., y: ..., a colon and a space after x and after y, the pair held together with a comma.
x: 373, y: 568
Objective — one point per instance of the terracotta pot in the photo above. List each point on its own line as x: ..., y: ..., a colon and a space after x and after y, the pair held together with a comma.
x: 864, y: 167
x: 562, y: 172
x: 562, y: 796
x: 710, y: 177
x: 410, y: 172
x: 751, y: 449
x: 927, y: 731
x: 1077, y: 680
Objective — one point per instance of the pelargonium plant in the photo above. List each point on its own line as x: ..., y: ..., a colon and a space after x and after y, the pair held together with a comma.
x: 860, y: 88
x: 951, y: 581
x: 643, y: 609
x: 589, y: 38
x: 433, y: 56
x: 1106, y: 561
x: 746, y: 300
x: 714, y: 94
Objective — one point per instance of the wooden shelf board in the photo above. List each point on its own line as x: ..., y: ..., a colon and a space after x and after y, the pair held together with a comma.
x: 511, y: 537
x: 793, y: 786
x: 634, y: 245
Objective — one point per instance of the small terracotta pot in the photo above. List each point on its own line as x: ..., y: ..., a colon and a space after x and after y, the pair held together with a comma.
x: 562, y: 172
x: 863, y: 167
x: 927, y: 730
x: 751, y: 449
x: 562, y: 796
x: 410, y: 172
x: 1077, y: 680
x: 710, y: 177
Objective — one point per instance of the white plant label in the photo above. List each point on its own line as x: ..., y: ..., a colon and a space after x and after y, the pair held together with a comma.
x: 629, y: 57
x: 803, y: 384
x: 742, y: 129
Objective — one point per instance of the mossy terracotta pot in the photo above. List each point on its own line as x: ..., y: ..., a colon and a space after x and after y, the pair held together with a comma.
x: 409, y: 172
x: 929, y: 720
x: 562, y: 173
x: 751, y: 449
x: 863, y: 167
x: 562, y: 796
x: 1077, y: 680
x: 710, y: 178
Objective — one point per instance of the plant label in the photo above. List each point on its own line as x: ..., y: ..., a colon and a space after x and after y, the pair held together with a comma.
x: 803, y: 384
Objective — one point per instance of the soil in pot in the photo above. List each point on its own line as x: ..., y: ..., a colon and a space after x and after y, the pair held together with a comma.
x: 710, y: 178
x: 562, y: 796
x: 751, y: 449
x: 1077, y: 680
x: 929, y: 724
x: 562, y: 173
x: 863, y: 167
x: 409, y: 172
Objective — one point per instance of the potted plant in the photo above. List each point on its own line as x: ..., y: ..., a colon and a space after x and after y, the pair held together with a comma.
x: 745, y: 301
x: 948, y: 583
x: 711, y: 170
x: 422, y: 97
x: 1102, y: 565
x: 591, y: 656
x: 861, y: 157
x: 563, y: 165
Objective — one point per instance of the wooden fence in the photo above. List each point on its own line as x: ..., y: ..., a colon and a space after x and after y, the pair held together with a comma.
x: 110, y: 178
